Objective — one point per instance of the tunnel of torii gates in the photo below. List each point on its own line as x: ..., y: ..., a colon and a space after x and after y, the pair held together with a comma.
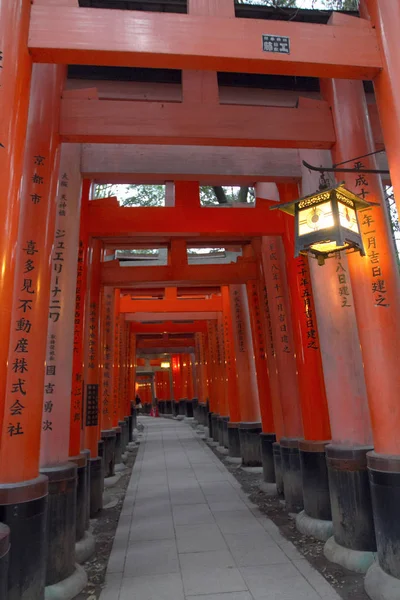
x: 285, y: 363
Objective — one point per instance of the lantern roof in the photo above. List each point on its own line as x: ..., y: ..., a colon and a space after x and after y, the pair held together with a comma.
x: 341, y: 192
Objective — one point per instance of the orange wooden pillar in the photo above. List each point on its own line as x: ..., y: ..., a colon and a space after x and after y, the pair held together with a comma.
x: 176, y: 382
x: 314, y: 407
x: 267, y: 436
x: 231, y: 435
x: 250, y: 424
x: 376, y: 289
x: 23, y: 490
x: 92, y: 375
x: 107, y: 433
x: 273, y: 260
x: 69, y: 491
x: 385, y: 18
x: 215, y: 381
x: 345, y: 390
x: 15, y: 78
x: 76, y: 421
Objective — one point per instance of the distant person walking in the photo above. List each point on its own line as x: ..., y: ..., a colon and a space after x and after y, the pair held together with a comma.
x: 138, y: 403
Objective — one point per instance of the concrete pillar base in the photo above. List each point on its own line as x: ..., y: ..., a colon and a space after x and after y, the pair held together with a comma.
x: 358, y: 561
x: 109, y: 437
x: 222, y: 450
x: 321, y: 530
x: 61, y: 521
x: 381, y: 586
x: 276, y: 450
x: 111, y: 481
x: 268, y: 488
x: 234, y: 460
x: 96, y: 486
x: 182, y: 407
x: 234, y: 441
x: 291, y: 473
x: 23, y: 508
x: 250, y: 451
x: 68, y: 588
x: 85, y: 548
x: 254, y: 470
x: 4, y: 558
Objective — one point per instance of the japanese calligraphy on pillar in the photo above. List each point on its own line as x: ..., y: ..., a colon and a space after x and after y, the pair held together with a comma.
x: 116, y: 396
x: 259, y: 342
x: 371, y: 242
x: 278, y: 298
x: 107, y: 356
x: 77, y: 382
x: 238, y: 312
x: 267, y: 316
x: 306, y: 295
x: 344, y: 289
x: 26, y: 290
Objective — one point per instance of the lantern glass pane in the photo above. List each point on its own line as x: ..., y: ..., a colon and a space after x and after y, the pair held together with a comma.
x: 315, y: 218
x: 348, y: 217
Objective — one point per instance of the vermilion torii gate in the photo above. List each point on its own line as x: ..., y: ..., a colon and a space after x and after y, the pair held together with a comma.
x: 295, y: 365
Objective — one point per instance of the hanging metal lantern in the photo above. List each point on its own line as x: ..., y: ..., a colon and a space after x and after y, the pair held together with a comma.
x: 326, y: 222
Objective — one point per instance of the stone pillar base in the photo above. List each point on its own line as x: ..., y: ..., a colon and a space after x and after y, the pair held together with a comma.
x: 182, y: 407
x: 276, y: 450
x: 350, y: 494
x: 81, y: 493
x: 130, y: 428
x: 23, y: 508
x: 291, y: 473
x: 109, y: 437
x: 68, y: 588
x: 96, y: 486
x: 234, y: 441
x: 321, y: 530
x: 381, y: 586
x: 358, y: 561
x: 267, y: 441
x: 61, y: 521
x: 250, y: 450
x: 314, y: 472
x: 85, y: 548
x: 4, y: 558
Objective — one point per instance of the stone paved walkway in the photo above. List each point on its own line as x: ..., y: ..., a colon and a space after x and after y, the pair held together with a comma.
x: 187, y: 531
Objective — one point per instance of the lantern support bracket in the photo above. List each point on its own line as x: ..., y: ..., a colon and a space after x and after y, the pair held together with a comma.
x: 338, y: 169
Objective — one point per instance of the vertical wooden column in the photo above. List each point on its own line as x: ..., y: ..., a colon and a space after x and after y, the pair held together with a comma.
x: 15, y: 78
x: 54, y: 450
x: 345, y: 390
x: 250, y: 425
x: 107, y: 372
x: 176, y: 382
x: 376, y: 289
x: 77, y: 388
x: 231, y: 440
x: 92, y: 375
x: 20, y: 482
x: 115, y: 361
x: 314, y: 407
x: 385, y: 18
x: 214, y: 371
x: 273, y: 259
